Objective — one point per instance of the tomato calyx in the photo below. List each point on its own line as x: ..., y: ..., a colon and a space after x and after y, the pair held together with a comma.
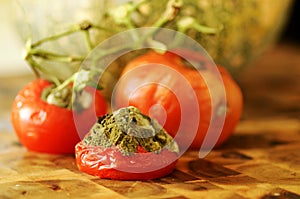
x: 61, y: 98
x: 74, y: 93
x: 67, y: 97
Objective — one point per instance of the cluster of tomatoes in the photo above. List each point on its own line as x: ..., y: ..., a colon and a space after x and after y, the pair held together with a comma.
x: 48, y: 128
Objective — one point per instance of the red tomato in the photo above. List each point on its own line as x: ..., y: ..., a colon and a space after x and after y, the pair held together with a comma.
x: 43, y: 127
x: 138, y: 92
x: 112, y: 164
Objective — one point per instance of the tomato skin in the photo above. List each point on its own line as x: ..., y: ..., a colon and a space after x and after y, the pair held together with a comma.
x: 47, y: 128
x: 234, y: 100
x: 129, y: 91
x: 110, y: 163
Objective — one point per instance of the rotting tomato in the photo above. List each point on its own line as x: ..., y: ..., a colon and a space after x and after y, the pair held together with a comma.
x: 127, y: 145
x: 47, y: 128
x: 110, y: 163
x: 138, y: 92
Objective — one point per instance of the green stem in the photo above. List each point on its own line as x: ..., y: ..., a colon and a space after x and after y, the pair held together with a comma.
x: 102, y: 28
x: 204, y: 29
x: 160, y: 22
x: 169, y: 14
x: 36, y: 67
x: 54, y: 57
x: 58, y: 36
x: 33, y: 68
x: 66, y: 83
x: 31, y: 51
x: 88, y: 40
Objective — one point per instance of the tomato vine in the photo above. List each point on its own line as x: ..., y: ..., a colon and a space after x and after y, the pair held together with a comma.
x: 121, y: 15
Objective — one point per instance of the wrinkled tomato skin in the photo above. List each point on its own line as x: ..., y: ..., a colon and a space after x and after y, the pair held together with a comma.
x: 47, y: 128
x: 110, y: 163
x: 129, y: 92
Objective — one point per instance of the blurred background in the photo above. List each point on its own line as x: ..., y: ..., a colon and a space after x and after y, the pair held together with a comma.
x: 11, y: 44
x: 291, y: 32
x: 278, y: 69
x: 11, y: 62
x: 271, y: 84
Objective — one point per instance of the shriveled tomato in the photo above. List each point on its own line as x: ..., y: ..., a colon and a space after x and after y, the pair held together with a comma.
x: 127, y: 145
x: 161, y: 99
x: 48, y: 128
x: 110, y: 163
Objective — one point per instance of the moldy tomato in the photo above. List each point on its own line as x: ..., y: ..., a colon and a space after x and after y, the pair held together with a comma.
x: 138, y: 92
x: 48, y: 128
x: 127, y: 145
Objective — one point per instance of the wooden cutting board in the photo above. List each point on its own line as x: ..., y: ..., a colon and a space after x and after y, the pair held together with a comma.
x: 261, y: 160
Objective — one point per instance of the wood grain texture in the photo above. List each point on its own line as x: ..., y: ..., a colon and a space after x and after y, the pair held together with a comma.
x: 260, y: 160
x: 265, y: 170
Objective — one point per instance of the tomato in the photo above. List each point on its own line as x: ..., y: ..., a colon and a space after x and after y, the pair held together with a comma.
x: 110, y: 163
x: 48, y: 128
x: 127, y: 145
x: 162, y: 102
